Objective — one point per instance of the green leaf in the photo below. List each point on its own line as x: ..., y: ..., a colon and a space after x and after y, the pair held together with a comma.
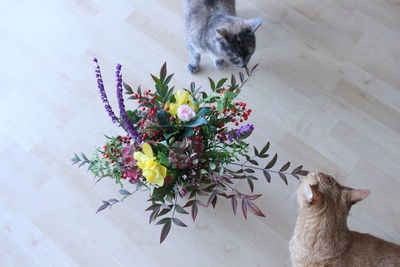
x: 164, y: 160
x: 156, y: 80
x: 163, y: 212
x: 199, y: 121
x: 221, y: 82
x: 180, y: 209
x: 163, y: 221
x: 163, y: 117
x: 169, y: 135
x: 252, y: 161
x: 285, y: 167
x: 283, y: 178
x: 212, y: 83
x: 265, y: 148
x: 212, y: 166
x: 203, y: 111
x: 178, y: 222
x: 255, y: 151
x: 188, y: 132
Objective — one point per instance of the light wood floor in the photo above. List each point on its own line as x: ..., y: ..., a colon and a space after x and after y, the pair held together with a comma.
x: 327, y: 95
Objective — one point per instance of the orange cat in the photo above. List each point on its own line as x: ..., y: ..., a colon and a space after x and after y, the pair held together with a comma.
x: 321, y: 236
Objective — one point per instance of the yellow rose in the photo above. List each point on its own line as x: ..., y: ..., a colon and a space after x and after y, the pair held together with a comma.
x: 151, y: 169
x: 182, y: 97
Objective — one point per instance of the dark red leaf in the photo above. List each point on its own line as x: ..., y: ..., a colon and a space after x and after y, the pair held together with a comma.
x: 302, y: 172
x: 163, y: 71
x: 272, y: 162
x: 251, y: 185
x: 214, y: 202
x: 234, y: 204
x: 253, y: 197
x: 189, y: 203
x: 154, y: 215
x: 194, y: 211
x: 244, y: 208
x: 267, y: 176
x: 254, y: 209
x: 165, y: 231
x: 211, y: 198
x: 297, y: 169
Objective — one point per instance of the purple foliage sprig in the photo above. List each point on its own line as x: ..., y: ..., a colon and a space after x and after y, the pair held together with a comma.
x: 103, y: 94
x: 127, y: 124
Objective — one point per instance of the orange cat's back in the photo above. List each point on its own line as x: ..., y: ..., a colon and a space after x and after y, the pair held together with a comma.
x: 367, y: 250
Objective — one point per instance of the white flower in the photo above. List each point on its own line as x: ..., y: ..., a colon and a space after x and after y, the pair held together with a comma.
x: 185, y: 113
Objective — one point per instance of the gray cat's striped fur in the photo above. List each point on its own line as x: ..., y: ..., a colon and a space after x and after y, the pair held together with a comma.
x: 213, y: 28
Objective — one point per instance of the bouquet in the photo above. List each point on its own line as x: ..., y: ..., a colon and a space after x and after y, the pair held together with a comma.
x: 182, y: 146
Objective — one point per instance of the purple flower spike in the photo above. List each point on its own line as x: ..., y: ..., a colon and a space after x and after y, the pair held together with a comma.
x: 127, y: 124
x: 103, y: 94
x: 246, y: 129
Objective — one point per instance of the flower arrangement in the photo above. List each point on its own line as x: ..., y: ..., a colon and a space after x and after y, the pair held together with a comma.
x: 182, y: 145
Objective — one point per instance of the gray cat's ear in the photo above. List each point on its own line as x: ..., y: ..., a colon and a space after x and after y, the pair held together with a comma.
x: 312, y: 194
x: 356, y: 195
x: 222, y: 33
x: 254, y: 24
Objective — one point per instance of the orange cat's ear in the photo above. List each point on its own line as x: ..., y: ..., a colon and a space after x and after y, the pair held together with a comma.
x: 356, y: 195
x: 313, y: 195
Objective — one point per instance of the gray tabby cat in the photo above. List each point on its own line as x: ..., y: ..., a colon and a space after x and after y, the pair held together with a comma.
x: 213, y: 28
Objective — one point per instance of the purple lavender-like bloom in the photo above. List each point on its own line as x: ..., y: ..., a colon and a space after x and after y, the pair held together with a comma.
x: 126, y: 121
x: 103, y: 94
x: 246, y: 129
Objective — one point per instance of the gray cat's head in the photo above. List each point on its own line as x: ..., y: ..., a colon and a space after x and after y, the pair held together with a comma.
x: 237, y: 40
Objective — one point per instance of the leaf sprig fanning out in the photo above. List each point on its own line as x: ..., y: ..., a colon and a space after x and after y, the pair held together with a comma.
x: 245, y: 170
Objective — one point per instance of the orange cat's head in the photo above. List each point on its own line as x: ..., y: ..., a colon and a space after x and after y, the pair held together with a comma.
x: 321, y: 192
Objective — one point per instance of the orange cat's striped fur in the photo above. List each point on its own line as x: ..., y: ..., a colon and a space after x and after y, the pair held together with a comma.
x: 321, y: 236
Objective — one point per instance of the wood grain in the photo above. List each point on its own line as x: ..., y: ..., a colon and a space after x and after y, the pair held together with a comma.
x: 327, y: 95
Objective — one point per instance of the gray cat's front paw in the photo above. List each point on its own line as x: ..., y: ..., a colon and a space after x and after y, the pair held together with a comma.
x: 193, y: 69
x: 220, y: 64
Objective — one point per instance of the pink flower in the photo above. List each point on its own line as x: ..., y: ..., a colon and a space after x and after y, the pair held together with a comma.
x: 182, y: 191
x: 132, y: 174
x: 185, y: 113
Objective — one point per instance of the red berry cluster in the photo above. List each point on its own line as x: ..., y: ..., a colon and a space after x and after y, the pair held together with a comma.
x: 237, y: 114
x: 147, y: 100
x: 112, y: 151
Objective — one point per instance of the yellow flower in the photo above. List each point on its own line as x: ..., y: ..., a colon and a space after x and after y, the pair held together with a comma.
x: 151, y: 169
x: 182, y: 97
